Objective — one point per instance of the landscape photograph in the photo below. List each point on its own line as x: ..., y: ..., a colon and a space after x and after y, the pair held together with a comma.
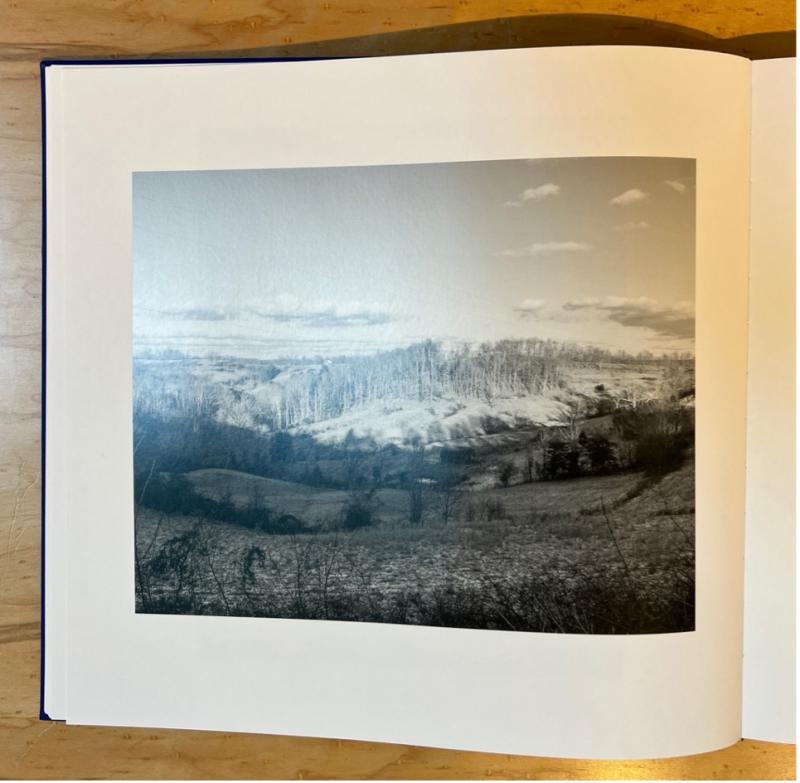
x: 450, y: 394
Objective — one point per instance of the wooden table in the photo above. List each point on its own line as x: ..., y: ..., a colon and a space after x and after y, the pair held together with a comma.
x: 34, y: 29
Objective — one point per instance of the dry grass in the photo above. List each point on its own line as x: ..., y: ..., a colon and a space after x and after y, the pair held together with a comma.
x: 608, y: 554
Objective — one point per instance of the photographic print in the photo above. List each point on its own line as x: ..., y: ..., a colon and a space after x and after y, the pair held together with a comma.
x: 452, y: 394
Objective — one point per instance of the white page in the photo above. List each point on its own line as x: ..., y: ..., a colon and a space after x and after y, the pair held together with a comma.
x: 575, y: 696
x: 769, y: 608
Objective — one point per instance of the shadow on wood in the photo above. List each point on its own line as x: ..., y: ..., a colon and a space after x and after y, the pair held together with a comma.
x: 543, y: 30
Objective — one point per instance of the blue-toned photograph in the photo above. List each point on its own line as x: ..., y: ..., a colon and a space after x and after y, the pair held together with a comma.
x: 450, y: 394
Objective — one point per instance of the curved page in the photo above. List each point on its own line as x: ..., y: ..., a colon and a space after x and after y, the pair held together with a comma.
x: 404, y: 399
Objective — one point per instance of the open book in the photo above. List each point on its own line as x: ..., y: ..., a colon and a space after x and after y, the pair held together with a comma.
x: 443, y: 399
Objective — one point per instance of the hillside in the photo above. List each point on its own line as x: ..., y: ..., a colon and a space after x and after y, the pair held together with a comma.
x: 421, y: 394
x: 606, y: 554
x: 314, y: 506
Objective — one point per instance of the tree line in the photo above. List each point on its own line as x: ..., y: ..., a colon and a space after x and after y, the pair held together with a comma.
x: 305, y: 392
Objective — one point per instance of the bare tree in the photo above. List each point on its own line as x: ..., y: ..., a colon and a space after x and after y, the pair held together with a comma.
x: 416, y: 483
x: 530, y: 463
x: 449, y: 493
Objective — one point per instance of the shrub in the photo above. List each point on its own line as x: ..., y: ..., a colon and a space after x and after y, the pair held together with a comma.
x: 600, y: 454
x: 660, y: 434
x: 175, y: 494
x: 505, y: 472
x: 658, y: 454
x: 357, y: 513
x: 561, y: 460
x: 285, y: 524
x: 281, y: 447
x: 485, y: 509
x: 494, y: 509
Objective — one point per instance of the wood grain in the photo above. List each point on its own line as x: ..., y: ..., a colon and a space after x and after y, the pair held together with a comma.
x: 36, y: 29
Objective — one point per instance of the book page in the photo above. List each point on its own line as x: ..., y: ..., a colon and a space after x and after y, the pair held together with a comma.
x: 453, y: 316
x: 769, y: 618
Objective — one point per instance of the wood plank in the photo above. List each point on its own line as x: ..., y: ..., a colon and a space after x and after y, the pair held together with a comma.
x: 46, y: 28
x: 177, y: 25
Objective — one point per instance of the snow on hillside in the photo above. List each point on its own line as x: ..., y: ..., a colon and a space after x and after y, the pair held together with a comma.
x: 329, y: 402
x: 269, y: 392
x: 436, y: 421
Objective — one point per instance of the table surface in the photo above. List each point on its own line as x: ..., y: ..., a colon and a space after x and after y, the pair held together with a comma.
x: 35, y: 29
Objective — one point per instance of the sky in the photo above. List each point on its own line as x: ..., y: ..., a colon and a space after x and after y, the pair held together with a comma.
x: 327, y: 261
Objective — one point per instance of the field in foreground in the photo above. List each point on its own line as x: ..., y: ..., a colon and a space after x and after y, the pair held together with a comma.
x: 599, y: 554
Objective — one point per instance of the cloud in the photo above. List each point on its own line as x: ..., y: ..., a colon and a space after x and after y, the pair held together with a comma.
x: 667, y: 320
x: 580, y: 304
x: 535, y: 194
x: 632, y: 196
x: 540, y: 192
x: 677, y: 186
x: 530, y: 306
x: 289, y: 309
x: 632, y: 225
x: 196, y: 314
x: 546, y: 248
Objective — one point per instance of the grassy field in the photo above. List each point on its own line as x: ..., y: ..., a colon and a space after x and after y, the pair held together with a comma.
x: 600, y: 554
x: 311, y: 504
